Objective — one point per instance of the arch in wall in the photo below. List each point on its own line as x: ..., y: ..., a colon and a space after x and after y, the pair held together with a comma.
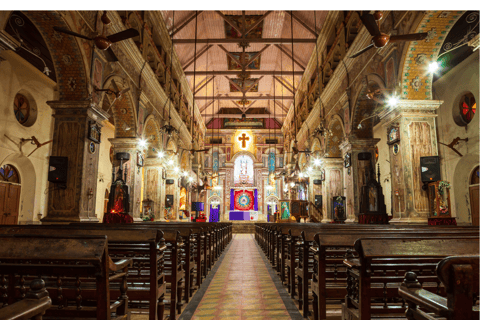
x: 123, y: 110
x: 416, y: 82
x: 28, y: 196
x: 68, y: 53
x: 460, y: 186
x: 152, y: 134
x: 271, y: 199
x: 332, y: 148
x: 220, y: 205
x: 316, y: 146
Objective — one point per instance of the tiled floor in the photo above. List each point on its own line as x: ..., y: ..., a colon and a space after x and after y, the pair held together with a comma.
x: 242, y: 288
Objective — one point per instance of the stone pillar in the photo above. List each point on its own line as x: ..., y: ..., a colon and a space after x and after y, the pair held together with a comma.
x: 76, y: 203
x: 354, y: 176
x: 418, y: 138
x: 173, y: 188
x: 154, y: 186
x: 333, y: 185
x: 134, y: 172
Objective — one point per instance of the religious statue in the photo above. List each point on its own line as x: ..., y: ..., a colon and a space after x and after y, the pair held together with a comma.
x: 119, y: 200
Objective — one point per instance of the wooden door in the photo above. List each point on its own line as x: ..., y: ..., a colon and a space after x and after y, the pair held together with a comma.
x: 474, y: 205
x: 9, y: 203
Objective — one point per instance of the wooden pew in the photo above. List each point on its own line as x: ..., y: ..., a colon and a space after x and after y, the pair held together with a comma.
x: 145, y: 247
x: 374, y: 277
x: 328, y: 280
x: 460, y: 276
x: 78, y: 273
x: 34, y: 305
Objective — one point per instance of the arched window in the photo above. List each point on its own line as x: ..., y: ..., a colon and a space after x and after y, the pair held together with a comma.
x: 468, y: 106
x: 8, y: 173
x: 243, y: 171
x: 474, y: 178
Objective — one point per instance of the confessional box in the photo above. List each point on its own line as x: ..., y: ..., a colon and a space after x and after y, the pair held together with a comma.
x: 439, y: 200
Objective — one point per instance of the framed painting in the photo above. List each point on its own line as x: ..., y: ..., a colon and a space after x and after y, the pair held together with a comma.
x: 94, y: 131
x: 347, y: 161
x: 140, y: 159
x: 393, y: 135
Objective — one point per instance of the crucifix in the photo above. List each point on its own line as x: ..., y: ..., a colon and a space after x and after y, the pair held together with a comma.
x: 243, y: 139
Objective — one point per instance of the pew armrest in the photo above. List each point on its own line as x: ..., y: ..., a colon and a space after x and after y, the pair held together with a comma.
x: 119, y: 265
x: 26, y: 309
x: 352, y: 263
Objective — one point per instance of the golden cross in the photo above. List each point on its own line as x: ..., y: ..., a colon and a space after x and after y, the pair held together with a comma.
x: 243, y: 138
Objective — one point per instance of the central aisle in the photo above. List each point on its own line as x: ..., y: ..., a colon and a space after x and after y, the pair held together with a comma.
x: 242, y: 288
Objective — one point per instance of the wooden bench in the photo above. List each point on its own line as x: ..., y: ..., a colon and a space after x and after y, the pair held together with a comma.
x: 459, y: 275
x: 374, y: 277
x: 146, y: 280
x: 34, y: 305
x: 77, y: 270
x: 329, y: 276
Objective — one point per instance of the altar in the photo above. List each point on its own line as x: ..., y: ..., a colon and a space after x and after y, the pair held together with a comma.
x: 243, y: 215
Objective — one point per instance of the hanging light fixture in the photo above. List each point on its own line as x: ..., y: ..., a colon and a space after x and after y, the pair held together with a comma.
x: 168, y: 129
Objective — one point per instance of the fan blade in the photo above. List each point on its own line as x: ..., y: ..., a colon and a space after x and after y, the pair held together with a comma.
x: 110, y: 55
x: 203, y: 150
x: 369, y: 22
x: 71, y: 33
x: 123, y: 35
x: 370, y: 46
x: 305, y: 151
x: 409, y: 37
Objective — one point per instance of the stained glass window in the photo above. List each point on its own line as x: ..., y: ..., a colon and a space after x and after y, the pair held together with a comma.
x: 21, y: 108
x: 468, y: 106
x: 9, y: 174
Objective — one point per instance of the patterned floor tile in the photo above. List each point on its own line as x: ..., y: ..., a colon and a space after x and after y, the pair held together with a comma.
x: 242, y: 287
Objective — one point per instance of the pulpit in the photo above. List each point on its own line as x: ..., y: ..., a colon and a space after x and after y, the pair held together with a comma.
x: 372, y: 202
x: 293, y: 208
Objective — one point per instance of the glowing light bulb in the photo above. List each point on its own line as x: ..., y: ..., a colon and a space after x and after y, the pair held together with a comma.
x: 310, y: 169
x: 190, y: 179
x: 142, y: 143
x: 393, y: 101
x: 292, y: 184
x: 176, y: 169
x: 359, y: 126
x: 432, y: 67
x: 301, y: 175
x: 160, y: 154
x: 317, y: 162
x: 170, y: 162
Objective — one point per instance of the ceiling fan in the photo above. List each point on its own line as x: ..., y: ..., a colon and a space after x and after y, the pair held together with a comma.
x: 379, y: 39
x: 102, y: 41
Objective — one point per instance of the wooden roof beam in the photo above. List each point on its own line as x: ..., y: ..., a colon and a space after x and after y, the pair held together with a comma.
x: 204, y: 49
x: 303, y: 24
x: 240, y: 98
x: 203, y: 85
x: 290, y: 56
x: 284, y: 85
x: 257, y: 23
x: 238, y: 40
x: 285, y: 109
x: 236, y: 72
x: 230, y: 22
x: 183, y: 25
x: 208, y: 104
x: 230, y: 55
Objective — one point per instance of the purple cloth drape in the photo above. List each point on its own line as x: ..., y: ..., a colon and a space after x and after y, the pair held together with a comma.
x: 255, y: 206
x: 232, y: 199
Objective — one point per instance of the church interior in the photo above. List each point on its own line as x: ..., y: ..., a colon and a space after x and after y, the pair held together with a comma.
x: 238, y: 164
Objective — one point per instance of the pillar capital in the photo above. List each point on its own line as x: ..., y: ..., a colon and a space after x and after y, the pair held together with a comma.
x: 78, y: 108
x: 124, y: 143
x: 352, y: 143
x: 411, y: 108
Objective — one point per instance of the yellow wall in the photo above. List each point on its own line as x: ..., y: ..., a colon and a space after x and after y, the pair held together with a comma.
x: 18, y: 76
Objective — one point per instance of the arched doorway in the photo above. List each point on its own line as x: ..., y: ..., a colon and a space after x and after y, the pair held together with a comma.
x: 9, y: 194
x: 474, y: 197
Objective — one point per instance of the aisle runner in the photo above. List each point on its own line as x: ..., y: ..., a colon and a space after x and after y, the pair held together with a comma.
x: 242, y: 287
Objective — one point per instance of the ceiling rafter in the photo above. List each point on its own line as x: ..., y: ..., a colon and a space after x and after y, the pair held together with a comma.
x: 208, y: 104
x: 290, y: 56
x: 204, y: 84
x: 257, y: 23
x: 282, y: 82
x: 236, y: 72
x: 234, y: 84
x: 238, y: 40
x: 229, y: 21
x: 303, y: 24
x: 204, y: 49
x: 230, y: 55
x: 183, y: 25
x: 240, y: 98
x: 285, y: 109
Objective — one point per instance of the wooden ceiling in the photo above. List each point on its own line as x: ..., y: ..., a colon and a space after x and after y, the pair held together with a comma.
x: 275, y: 60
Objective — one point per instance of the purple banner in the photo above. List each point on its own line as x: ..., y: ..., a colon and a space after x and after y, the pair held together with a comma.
x: 255, y: 206
x: 232, y: 199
